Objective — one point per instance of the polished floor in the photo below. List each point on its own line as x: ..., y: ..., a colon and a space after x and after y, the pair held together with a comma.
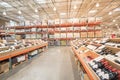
x: 56, y: 63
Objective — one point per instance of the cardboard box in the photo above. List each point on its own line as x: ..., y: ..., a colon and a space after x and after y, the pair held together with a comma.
x: 4, y: 67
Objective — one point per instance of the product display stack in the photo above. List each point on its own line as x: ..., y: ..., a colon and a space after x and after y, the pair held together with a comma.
x: 15, y: 52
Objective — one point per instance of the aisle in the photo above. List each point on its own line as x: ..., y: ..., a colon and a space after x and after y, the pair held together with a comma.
x: 54, y: 64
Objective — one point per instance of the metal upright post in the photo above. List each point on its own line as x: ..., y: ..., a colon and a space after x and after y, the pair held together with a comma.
x: 10, y: 64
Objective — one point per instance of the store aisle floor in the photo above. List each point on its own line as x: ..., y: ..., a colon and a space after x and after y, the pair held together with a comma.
x: 54, y: 64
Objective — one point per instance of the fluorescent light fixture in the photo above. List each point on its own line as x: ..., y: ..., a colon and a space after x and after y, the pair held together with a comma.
x: 116, y: 24
x: 62, y: 13
x: 4, y: 4
x: 54, y: 9
x: 35, y: 16
x: 36, y: 10
x: 92, y: 11
x: 19, y: 12
x: 114, y: 20
x: 75, y: 7
x: 4, y: 13
x: 117, y: 9
x: 110, y: 13
x: 40, y: 1
x: 97, y: 4
x: 20, y: 17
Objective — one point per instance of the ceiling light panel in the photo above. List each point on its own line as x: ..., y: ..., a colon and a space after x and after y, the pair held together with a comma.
x: 77, y: 2
x: 60, y: 0
x: 117, y: 9
x: 35, y: 16
x: 92, y: 11
x: 4, y: 4
x: 42, y: 1
x: 19, y: 12
x: 62, y: 14
x: 114, y: 20
x: 97, y: 4
x: 110, y: 13
x: 4, y: 13
x: 36, y: 10
x: 54, y: 8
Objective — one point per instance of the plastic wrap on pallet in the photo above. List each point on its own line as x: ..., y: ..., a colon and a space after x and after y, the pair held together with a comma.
x: 33, y: 52
x: 57, y: 35
x: 28, y: 36
x: 33, y: 35
x: 69, y: 35
x: 20, y: 58
x: 39, y: 36
x: 63, y: 29
x: 63, y: 35
x: 57, y: 21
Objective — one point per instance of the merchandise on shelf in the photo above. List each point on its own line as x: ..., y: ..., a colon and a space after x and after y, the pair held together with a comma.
x: 14, y: 52
x: 104, y: 70
x: 99, y: 58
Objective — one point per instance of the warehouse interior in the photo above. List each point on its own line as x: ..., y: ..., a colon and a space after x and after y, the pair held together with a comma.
x: 59, y: 39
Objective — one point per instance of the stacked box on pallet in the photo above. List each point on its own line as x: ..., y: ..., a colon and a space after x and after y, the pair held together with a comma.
x: 33, y: 36
x: 69, y: 35
x: 91, y: 34
x: 51, y: 43
x: 91, y: 19
x: 57, y: 21
x: 98, y: 19
x: 28, y: 36
x: 76, y: 20
x: 63, y: 42
x: 40, y: 50
x: 98, y: 34
x: 38, y: 36
x: 63, y: 29
x: 83, y: 20
x: 63, y: 35
x: 50, y: 36
x: 70, y: 28
x: 76, y: 35
x: 21, y: 58
x: 4, y: 66
x: 57, y: 42
x: 57, y: 35
x: 14, y: 60
x: 98, y: 28
x: 68, y: 42
x: 84, y: 34
x: 32, y: 54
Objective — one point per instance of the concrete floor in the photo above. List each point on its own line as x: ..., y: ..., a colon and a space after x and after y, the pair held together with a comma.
x: 54, y: 64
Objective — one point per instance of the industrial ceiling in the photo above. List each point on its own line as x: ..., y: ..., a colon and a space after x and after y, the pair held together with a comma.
x: 108, y: 10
